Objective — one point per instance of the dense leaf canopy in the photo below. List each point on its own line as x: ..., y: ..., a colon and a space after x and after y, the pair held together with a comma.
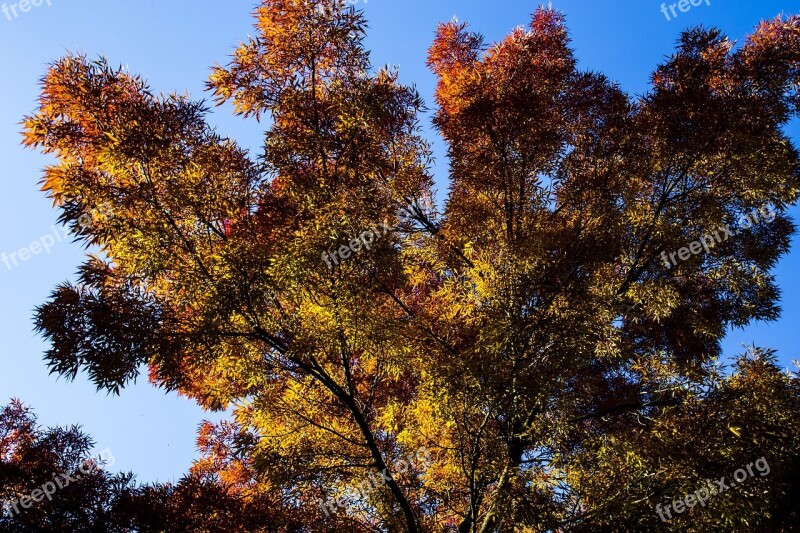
x: 527, y: 337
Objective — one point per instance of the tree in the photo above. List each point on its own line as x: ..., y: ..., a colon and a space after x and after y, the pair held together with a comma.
x: 523, y: 338
x: 54, y: 462
x: 77, y: 493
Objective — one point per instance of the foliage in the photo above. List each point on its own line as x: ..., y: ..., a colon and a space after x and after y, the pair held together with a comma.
x: 31, y: 456
x: 531, y: 337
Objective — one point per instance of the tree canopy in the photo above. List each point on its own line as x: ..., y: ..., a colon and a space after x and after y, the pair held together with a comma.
x: 84, y: 496
x: 526, y: 337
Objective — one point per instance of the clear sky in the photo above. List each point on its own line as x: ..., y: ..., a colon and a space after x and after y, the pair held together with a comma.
x: 172, y: 44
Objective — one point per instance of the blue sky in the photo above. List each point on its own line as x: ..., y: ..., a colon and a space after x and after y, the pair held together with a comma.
x: 173, y: 44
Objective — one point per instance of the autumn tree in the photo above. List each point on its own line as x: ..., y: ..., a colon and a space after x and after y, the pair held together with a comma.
x: 84, y: 496
x: 32, y: 456
x: 529, y: 338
